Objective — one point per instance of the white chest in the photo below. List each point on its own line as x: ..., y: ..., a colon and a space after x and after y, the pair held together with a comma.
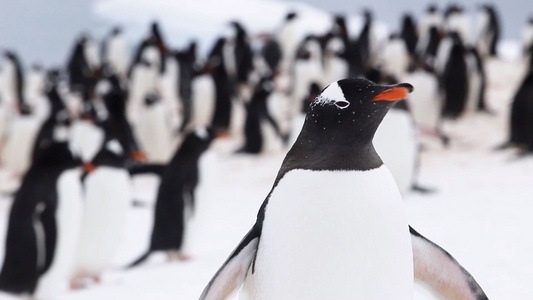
x: 333, y: 235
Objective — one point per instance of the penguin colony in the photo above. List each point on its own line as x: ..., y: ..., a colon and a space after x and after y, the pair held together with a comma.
x: 77, y: 136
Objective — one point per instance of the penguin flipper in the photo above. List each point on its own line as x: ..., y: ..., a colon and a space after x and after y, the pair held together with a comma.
x: 441, y: 272
x: 232, y: 273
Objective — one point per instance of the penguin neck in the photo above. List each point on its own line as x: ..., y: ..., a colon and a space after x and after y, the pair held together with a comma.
x: 343, y: 150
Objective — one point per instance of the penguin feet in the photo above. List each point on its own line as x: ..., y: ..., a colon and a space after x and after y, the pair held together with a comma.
x: 178, y: 256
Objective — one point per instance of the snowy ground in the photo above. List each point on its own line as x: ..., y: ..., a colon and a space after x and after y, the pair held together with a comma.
x: 481, y: 212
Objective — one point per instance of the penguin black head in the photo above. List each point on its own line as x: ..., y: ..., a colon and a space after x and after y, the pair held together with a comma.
x: 291, y: 16
x: 350, y: 110
x: 116, y: 31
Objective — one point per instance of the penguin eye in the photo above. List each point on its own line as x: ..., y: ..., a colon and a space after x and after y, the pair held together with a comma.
x: 342, y: 104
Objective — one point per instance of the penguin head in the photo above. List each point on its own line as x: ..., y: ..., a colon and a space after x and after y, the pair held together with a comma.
x: 351, y: 110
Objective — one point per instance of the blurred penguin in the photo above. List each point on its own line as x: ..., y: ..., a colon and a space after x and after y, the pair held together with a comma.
x: 488, y: 31
x: 175, y: 203
x: 83, y: 66
x: 308, y: 70
x: 215, y: 66
x: 457, y: 20
x: 455, y: 82
x: 12, y: 88
x: 432, y: 18
x: 152, y: 50
x: 144, y: 79
x: 395, y: 56
x: 409, y: 33
x: 477, y: 81
x: 288, y: 39
x: 366, y: 41
x: 336, y: 64
x: 154, y: 131
x: 107, y: 192
x: 261, y: 128
x: 115, y: 53
x: 43, y: 225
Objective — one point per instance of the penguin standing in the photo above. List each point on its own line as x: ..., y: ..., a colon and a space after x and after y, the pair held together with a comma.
x: 107, y: 193
x: 456, y: 20
x: 217, y: 68
x: 13, y: 89
x: 477, y: 81
x: 336, y: 64
x: 153, y: 130
x: 307, y: 70
x: 115, y: 53
x: 396, y: 142
x: 395, y: 56
x: 488, y: 31
x: 521, y: 122
x: 409, y: 34
x: 175, y: 203
x: 39, y: 228
x: 455, y: 82
x: 288, y: 40
x: 432, y: 18
x: 83, y: 66
x: 259, y: 120
x: 333, y: 226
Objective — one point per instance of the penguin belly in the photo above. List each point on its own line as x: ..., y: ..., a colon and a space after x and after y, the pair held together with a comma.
x: 397, y: 144
x: 424, y: 102
x: 19, y: 145
x: 321, y: 241
x: 154, y: 133
x: 203, y: 101
x: 107, y: 199
x: 68, y: 216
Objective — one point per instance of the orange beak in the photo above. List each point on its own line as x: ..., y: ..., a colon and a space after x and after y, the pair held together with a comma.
x: 395, y: 93
x: 138, y: 156
x: 88, y: 167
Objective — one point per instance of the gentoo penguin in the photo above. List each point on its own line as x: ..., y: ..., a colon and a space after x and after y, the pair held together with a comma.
x: 477, y: 80
x: 396, y: 142
x: 259, y: 120
x: 152, y: 49
x: 425, y: 103
x: 107, y: 193
x: 336, y: 63
x: 242, y: 52
x: 308, y: 69
x: 457, y: 20
x: 175, y: 203
x: 288, y: 39
x: 521, y: 121
x: 488, y: 31
x: 115, y: 54
x: 216, y: 66
x: 13, y: 80
x: 144, y: 79
x: 365, y: 41
x: 58, y: 114
x: 395, y: 56
x: 83, y: 66
x: 154, y: 131
x: 272, y: 55
x: 409, y: 33
x: 37, y: 243
x: 187, y: 71
x: 305, y: 247
x: 428, y: 45
x: 432, y: 18
x: 455, y: 82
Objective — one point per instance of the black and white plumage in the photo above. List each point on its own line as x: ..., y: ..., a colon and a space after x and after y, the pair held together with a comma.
x: 488, y: 30
x: 409, y: 33
x: 455, y: 81
x: 294, y: 252
x: 175, y: 203
x: 477, y: 80
x: 32, y: 234
x: 115, y: 55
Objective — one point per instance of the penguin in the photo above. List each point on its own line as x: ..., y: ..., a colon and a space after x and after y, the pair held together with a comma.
x: 304, y: 247
x: 288, y: 39
x: 457, y: 20
x: 143, y: 80
x: 187, y: 71
x: 409, y: 33
x: 477, y: 81
x: 488, y: 31
x: 13, y: 90
x: 395, y: 56
x: 396, y: 142
x: 107, y: 193
x: 455, y: 82
x: 115, y: 54
x: 308, y: 69
x: 272, y: 55
x: 336, y: 64
x: 425, y: 103
x: 428, y: 45
x: 152, y: 49
x: 243, y: 56
x: 365, y: 42
x: 259, y: 120
x: 153, y: 131
x: 431, y: 18
x: 521, y: 124
x: 38, y: 228
x: 83, y: 67
x: 223, y: 106
x: 58, y: 114
x: 175, y: 203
